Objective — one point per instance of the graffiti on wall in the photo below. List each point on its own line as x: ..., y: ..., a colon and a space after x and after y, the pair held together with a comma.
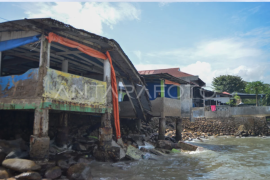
x: 19, y: 86
x: 63, y: 86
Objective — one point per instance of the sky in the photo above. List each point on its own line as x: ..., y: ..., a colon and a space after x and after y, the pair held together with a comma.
x: 204, y: 39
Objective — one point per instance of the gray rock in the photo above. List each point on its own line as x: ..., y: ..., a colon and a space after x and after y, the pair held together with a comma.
x: 62, y: 164
x: 20, y: 165
x: 122, y: 152
x: 29, y: 176
x: 53, y: 172
x: 134, y: 153
x: 79, y: 147
x: 79, y: 171
x: 17, y: 154
x: 4, y: 173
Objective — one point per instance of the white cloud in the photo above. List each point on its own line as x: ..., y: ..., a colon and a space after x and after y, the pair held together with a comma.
x: 138, y: 54
x: 207, y: 73
x: 90, y: 16
x: 245, y: 55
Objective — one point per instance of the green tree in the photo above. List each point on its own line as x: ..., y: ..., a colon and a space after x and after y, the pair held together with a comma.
x: 233, y: 101
x: 229, y: 83
x: 266, y: 91
x: 255, y: 87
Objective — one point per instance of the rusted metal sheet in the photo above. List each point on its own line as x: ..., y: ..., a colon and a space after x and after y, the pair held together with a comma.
x: 64, y: 87
x: 19, y: 86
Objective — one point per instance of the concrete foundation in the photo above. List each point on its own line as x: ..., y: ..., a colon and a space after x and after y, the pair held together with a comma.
x: 39, y: 147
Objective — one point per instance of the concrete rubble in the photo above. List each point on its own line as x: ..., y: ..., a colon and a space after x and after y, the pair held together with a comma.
x: 71, y: 161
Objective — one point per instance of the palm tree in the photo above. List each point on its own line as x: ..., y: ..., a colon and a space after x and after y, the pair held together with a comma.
x: 255, y: 87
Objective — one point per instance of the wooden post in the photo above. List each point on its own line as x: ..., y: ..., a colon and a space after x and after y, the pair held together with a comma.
x: 0, y: 63
x: 39, y: 141
x: 162, y: 88
x: 65, y: 66
x: 179, y: 129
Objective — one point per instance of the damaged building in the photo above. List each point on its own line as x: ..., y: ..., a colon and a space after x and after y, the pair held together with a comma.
x: 52, y: 73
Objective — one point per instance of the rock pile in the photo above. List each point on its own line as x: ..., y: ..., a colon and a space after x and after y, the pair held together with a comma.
x: 249, y: 126
x: 66, y: 165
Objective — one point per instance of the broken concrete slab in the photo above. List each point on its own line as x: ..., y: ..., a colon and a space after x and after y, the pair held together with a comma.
x: 185, y: 146
x: 134, y: 153
x: 122, y: 152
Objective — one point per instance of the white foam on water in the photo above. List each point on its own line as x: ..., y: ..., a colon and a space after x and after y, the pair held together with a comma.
x: 147, y: 146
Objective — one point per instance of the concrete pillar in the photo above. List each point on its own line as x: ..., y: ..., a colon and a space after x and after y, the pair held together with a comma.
x: 0, y: 63
x: 105, y: 131
x: 40, y: 141
x: 178, y: 129
x: 62, y: 134
x: 45, y: 49
x: 162, y: 128
x: 65, y: 66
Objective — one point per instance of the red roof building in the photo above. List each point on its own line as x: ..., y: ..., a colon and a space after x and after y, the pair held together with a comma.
x: 176, y: 73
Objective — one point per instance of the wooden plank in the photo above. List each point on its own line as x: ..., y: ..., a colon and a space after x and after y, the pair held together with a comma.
x: 60, y: 58
x: 77, y: 55
x: 68, y: 52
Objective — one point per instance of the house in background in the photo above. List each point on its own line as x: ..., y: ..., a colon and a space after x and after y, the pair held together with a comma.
x: 245, y: 96
x: 184, y: 90
x: 163, y: 91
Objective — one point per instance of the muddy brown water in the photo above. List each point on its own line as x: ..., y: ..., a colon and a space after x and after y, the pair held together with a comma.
x: 222, y: 158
